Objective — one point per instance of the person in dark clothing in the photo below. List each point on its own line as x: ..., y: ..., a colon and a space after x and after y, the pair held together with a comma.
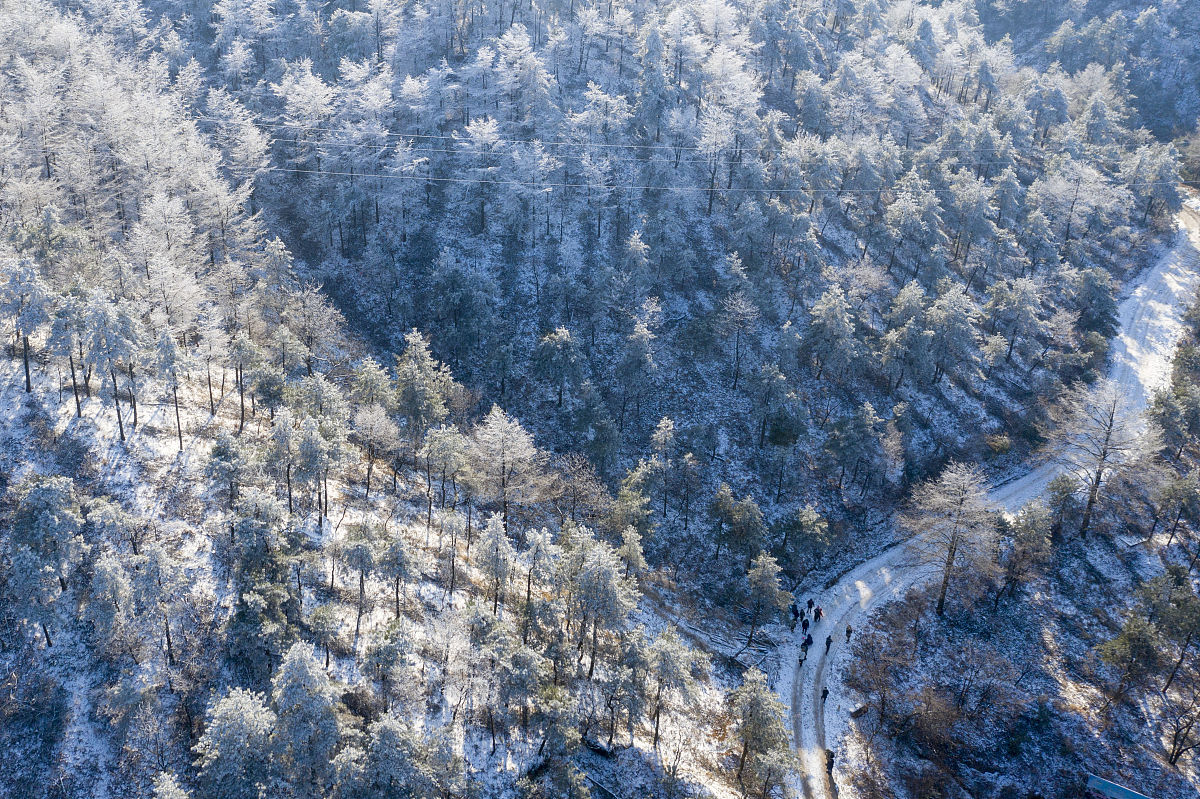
x: 828, y: 643
x: 804, y: 625
x: 808, y: 641
x: 816, y: 613
x: 824, y: 694
x: 795, y: 611
x: 849, y: 630
x: 810, y: 604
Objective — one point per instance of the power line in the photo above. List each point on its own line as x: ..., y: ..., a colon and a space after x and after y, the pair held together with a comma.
x: 619, y: 159
x: 544, y: 143
x: 547, y: 185
x: 455, y: 138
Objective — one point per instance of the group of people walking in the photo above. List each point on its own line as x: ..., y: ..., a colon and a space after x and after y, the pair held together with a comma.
x: 800, y: 616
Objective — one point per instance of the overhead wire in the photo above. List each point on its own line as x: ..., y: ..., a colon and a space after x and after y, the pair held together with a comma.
x: 617, y: 159
x: 549, y: 185
x: 542, y: 142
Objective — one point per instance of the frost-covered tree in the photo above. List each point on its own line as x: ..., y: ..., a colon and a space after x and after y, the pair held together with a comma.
x: 68, y: 332
x: 558, y: 360
x: 1095, y: 435
x: 378, y: 434
x: 738, y: 317
x: 234, y: 755
x: 955, y: 522
x: 445, y: 453
x: 495, y: 558
x: 109, y: 603
x: 506, y: 466
x: 761, y: 733
x: 765, y: 596
x: 325, y: 623
x: 230, y: 462
x: 171, y: 362
x: 25, y: 299
x: 306, y: 728
x: 673, y: 668
x: 313, y: 460
x: 44, y: 546
x: 361, y: 553
x: 830, y: 337
x: 114, y: 337
x: 423, y: 388
x: 740, y: 524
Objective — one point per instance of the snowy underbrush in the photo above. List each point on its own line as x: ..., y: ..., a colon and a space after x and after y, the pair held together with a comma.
x: 124, y: 691
x: 1007, y: 696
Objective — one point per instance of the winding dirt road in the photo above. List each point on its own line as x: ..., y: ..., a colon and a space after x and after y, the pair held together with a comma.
x: 1151, y: 320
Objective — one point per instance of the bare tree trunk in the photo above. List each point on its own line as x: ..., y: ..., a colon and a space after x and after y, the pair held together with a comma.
x: 170, y: 649
x: 25, y: 347
x: 212, y: 403
x: 178, y: 423
x: 953, y: 550
x: 87, y: 374
x: 1182, y: 654
x: 74, y: 386
x: 117, y: 404
x: 133, y: 395
x: 362, y: 590
x: 370, y: 464
x: 1093, y: 492
x: 241, y: 399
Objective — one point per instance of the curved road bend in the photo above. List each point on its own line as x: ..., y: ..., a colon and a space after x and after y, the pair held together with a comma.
x: 1151, y: 320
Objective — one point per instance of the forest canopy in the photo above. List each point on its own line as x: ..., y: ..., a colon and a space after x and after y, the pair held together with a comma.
x: 446, y: 399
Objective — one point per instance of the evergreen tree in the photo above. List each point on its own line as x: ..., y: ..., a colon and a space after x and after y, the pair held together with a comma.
x: 306, y: 729
x: 765, y: 597
x: 673, y: 670
x: 495, y: 559
x: 24, y: 298
x: 760, y: 731
x: 423, y: 388
x: 233, y: 756
x: 506, y: 466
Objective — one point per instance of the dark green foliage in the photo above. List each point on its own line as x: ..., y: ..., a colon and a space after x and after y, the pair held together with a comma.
x: 33, y: 713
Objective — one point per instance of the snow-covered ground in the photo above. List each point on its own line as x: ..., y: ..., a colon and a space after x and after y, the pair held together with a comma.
x: 1151, y: 319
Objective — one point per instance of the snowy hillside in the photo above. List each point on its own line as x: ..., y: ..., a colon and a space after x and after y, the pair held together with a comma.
x: 407, y: 398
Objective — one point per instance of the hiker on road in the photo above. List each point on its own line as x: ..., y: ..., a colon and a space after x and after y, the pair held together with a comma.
x: 824, y: 695
x: 849, y: 630
x: 828, y: 643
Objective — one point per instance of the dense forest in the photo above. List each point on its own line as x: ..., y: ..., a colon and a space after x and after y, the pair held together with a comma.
x: 454, y: 399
